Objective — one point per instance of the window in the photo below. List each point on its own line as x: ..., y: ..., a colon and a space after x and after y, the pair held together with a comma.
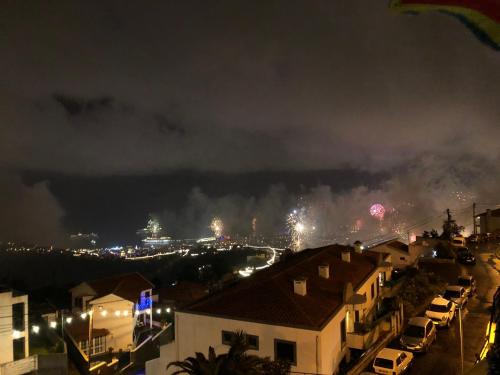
x: 18, y: 317
x: 79, y: 302
x: 18, y: 348
x: 382, y: 362
x: 227, y: 337
x: 98, y: 345
x: 342, y: 332
x: 402, y: 258
x: 373, y: 290
x: 356, y: 316
x: 286, y: 351
x: 252, y: 340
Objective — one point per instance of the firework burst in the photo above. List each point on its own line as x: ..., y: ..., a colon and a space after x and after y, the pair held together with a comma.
x: 299, y: 229
x: 217, y: 227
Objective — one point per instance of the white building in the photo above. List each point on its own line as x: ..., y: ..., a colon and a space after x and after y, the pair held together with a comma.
x: 309, y: 309
x: 489, y: 221
x: 402, y: 255
x: 14, y: 333
x: 116, y: 308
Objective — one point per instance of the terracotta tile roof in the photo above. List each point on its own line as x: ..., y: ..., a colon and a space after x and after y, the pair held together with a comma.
x: 268, y: 295
x: 79, y: 330
x: 182, y: 293
x: 401, y: 246
x: 128, y: 286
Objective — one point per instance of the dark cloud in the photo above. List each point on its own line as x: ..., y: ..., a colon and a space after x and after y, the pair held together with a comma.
x: 234, y: 86
x: 29, y: 213
x: 140, y: 88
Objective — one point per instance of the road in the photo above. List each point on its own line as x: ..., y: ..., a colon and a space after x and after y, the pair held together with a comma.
x: 444, y: 356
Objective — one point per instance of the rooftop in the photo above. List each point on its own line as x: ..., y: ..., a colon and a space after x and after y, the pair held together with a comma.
x: 395, y: 244
x: 494, y: 213
x: 182, y: 293
x: 268, y: 296
x: 128, y: 286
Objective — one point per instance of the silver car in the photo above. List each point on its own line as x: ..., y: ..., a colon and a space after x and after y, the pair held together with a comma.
x: 469, y: 284
x: 419, y: 334
x: 456, y: 294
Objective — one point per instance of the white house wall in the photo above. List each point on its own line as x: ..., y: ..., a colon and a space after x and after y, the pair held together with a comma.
x: 121, y: 328
x: 196, y: 333
x: 6, y: 339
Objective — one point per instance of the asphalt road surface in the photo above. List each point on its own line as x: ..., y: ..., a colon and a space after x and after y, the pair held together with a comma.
x: 444, y: 355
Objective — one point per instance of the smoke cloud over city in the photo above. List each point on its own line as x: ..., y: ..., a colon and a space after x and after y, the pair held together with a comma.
x: 239, y: 87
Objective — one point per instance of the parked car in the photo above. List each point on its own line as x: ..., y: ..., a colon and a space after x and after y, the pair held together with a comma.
x: 458, y: 241
x: 469, y: 284
x: 419, y: 334
x: 441, y: 311
x: 392, y: 361
x: 473, y: 238
x: 466, y: 257
x: 457, y: 294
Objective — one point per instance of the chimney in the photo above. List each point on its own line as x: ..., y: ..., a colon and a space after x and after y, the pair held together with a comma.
x: 300, y: 286
x: 346, y: 256
x: 324, y: 271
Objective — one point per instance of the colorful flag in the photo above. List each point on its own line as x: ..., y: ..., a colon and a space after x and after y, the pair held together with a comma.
x: 481, y: 16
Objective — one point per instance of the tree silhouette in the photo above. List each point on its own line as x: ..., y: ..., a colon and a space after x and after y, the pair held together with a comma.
x: 235, y: 362
x: 450, y: 227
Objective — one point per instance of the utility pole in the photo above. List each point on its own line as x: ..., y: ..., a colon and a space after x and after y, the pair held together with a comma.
x: 474, y: 218
x: 461, y: 341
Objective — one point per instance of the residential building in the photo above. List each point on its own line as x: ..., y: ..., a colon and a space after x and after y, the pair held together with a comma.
x: 311, y: 309
x: 179, y: 295
x: 401, y: 254
x: 14, y: 333
x: 489, y: 221
x: 118, y: 309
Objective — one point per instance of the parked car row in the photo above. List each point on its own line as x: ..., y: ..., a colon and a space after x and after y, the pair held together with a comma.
x: 421, y: 331
x: 465, y: 256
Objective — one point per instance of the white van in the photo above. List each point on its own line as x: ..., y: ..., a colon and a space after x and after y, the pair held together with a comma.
x: 458, y: 241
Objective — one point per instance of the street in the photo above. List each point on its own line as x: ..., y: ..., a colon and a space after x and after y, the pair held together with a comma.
x: 444, y: 355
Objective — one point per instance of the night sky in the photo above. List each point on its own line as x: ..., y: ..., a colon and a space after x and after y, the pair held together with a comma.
x: 110, y: 111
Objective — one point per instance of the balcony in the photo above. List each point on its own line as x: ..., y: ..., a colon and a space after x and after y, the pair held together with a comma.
x: 365, y: 334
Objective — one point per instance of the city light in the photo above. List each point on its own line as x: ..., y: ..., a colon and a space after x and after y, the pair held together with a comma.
x: 158, y: 311
x: 35, y: 329
x: 125, y: 312
x: 168, y: 310
x: 69, y: 319
x: 118, y: 313
x: 53, y: 324
x: 83, y: 316
x: 104, y: 312
x: 16, y: 334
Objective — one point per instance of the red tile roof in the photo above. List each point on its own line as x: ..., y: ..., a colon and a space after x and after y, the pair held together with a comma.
x: 182, y: 293
x: 268, y: 296
x: 401, y: 246
x: 128, y: 286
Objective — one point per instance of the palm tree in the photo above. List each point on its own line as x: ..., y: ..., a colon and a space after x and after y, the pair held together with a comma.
x: 235, y: 362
